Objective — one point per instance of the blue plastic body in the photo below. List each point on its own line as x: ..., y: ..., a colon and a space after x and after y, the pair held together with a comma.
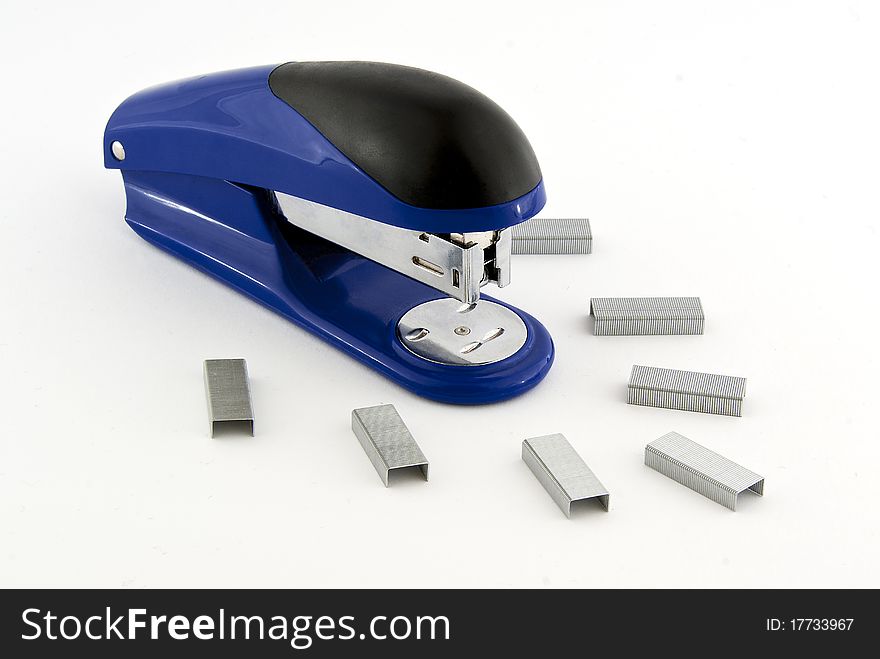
x: 201, y: 158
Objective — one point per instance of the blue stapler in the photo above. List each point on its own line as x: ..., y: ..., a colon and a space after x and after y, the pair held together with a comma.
x: 368, y: 203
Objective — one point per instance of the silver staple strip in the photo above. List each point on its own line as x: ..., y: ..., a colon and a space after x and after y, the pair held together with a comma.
x: 542, y: 235
x: 229, y: 395
x: 633, y: 316
x: 686, y: 390
x: 702, y: 470
x: 387, y: 441
x: 562, y: 472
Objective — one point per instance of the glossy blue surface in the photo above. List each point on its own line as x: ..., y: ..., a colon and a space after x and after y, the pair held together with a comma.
x: 235, y: 233
x: 202, y: 156
x: 231, y: 126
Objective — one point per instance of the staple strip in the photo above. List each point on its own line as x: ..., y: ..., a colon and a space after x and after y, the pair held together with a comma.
x: 686, y: 390
x: 229, y: 394
x: 702, y: 470
x: 387, y: 441
x: 633, y: 316
x: 562, y: 472
x: 542, y: 235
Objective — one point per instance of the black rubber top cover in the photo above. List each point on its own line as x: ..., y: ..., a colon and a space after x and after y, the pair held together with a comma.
x: 429, y: 140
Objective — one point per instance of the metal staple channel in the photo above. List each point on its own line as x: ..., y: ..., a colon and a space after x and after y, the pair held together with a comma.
x: 686, y: 390
x: 229, y: 394
x: 562, y: 472
x: 634, y: 316
x: 387, y: 441
x: 702, y: 470
x: 552, y: 236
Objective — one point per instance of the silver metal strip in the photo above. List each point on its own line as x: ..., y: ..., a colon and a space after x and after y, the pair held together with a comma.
x: 702, y: 470
x: 543, y: 235
x: 387, y: 441
x: 457, y: 265
x: 632, y: 316
x: 686, y: 390
x: 229, y: 395
x: 562, y: 472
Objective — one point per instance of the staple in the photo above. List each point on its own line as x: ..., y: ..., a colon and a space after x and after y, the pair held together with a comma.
x: 387, y: 441
x: 632, y: 316
x: 702, y: 470
x: 562, y: 472
x: 686, y: 390
x: 229, y: 395
x: 552, y: 236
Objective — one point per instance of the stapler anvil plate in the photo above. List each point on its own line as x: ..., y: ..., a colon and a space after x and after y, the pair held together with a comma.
x: 365, y: 202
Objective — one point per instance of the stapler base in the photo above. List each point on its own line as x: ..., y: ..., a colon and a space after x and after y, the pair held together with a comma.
x: 237, y: 234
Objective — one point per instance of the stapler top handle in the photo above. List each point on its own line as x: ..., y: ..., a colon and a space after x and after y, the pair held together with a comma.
x: 367, y: 203
x: 357, y: 136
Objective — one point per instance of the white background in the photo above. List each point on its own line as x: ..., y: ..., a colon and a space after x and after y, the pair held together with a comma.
x: 726, y: 149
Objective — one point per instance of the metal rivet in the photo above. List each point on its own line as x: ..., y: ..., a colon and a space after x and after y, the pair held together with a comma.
x: 117, y: 150
x: 462, y: 330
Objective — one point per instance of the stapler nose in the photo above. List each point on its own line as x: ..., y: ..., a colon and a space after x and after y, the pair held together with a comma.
x: 366, y: 202
x: 456, y: 264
